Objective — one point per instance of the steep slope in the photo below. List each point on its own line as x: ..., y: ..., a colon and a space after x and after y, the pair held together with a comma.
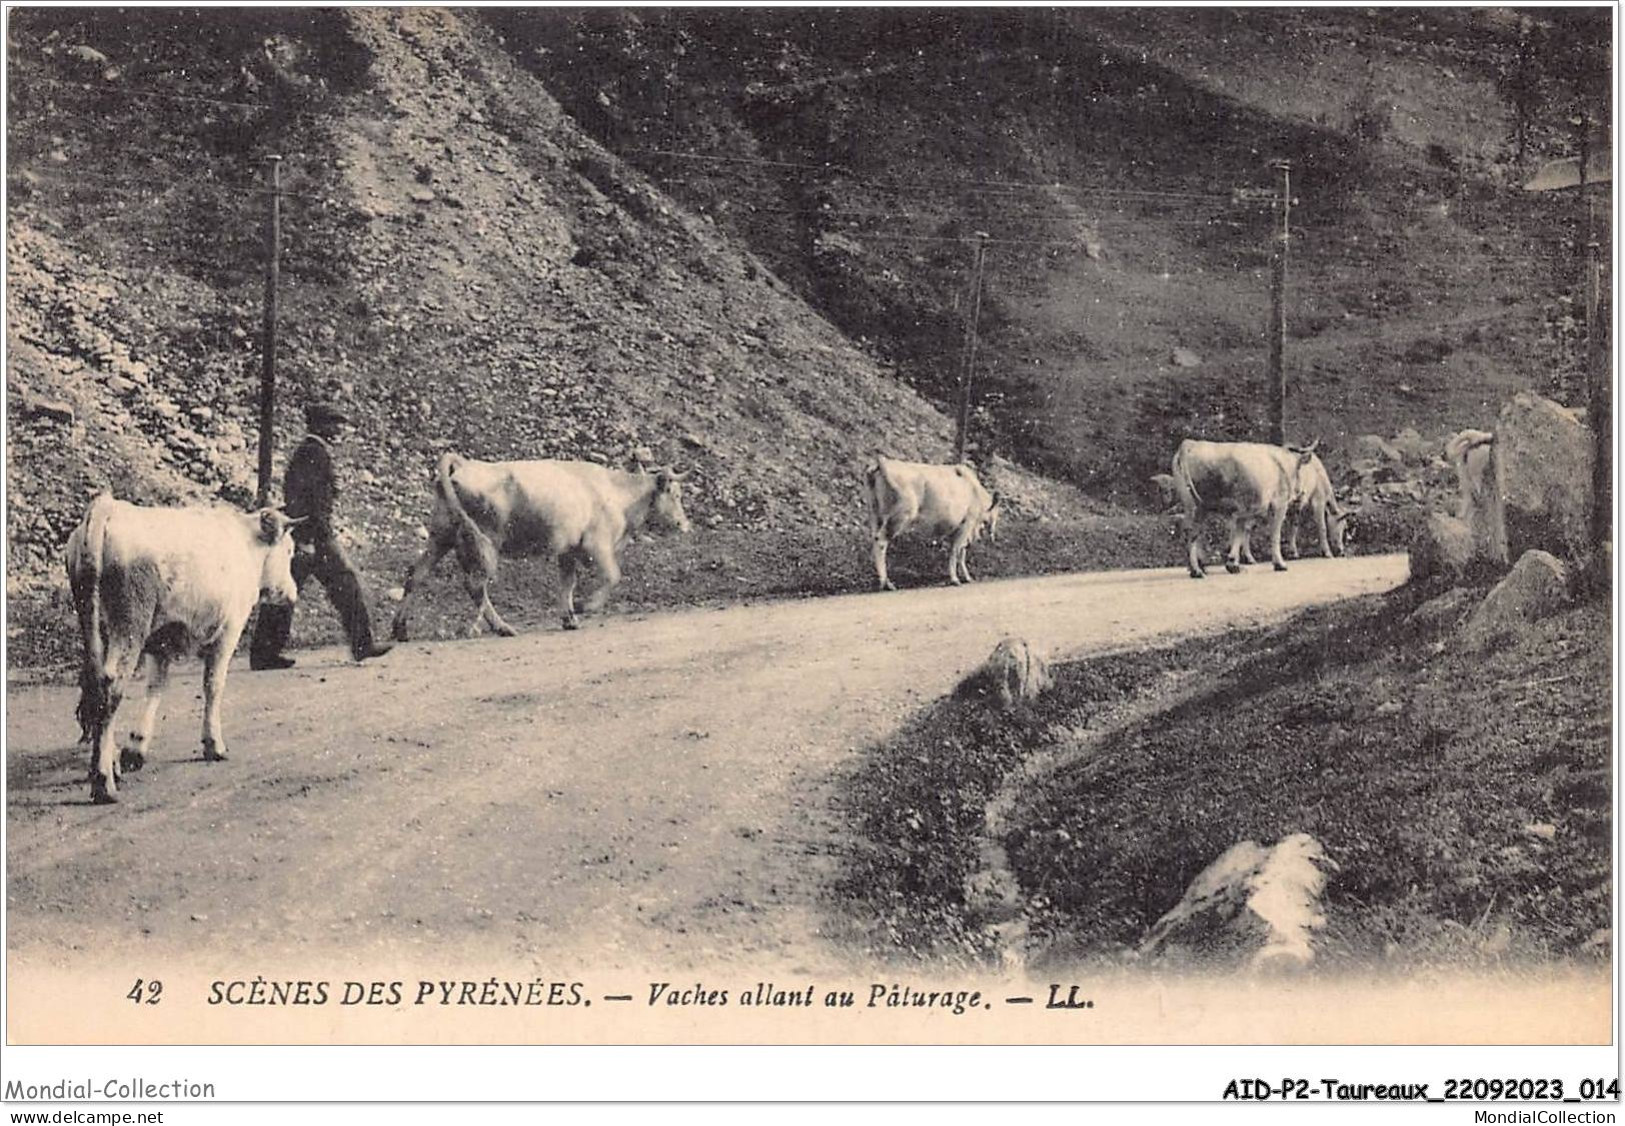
x: 461, y: 264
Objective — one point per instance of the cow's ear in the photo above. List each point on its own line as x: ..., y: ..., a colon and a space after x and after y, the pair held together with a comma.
x: 996, y: 499
x: 272, y: 525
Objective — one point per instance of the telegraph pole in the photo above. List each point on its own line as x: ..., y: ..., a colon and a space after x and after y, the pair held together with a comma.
x: 1278, y: 307
x: 1599, y: 401
x: 970, y: 349
x: 273, y: 255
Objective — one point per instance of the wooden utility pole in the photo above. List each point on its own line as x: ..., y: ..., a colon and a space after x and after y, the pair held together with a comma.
x: 1278, y: 307
x: 970, y: 348
x: 273, y: 255
x: 1599, y: 399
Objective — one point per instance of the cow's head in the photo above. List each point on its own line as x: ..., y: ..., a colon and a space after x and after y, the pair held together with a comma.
x: 1305, y: 452
x: 1341, y: 529
x: 276, y: 572
x: 1167, y: 488
x: 668, y: 500
x: 990, y: 520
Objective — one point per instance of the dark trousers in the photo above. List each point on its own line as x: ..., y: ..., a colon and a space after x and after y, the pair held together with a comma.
x: 327, y: 562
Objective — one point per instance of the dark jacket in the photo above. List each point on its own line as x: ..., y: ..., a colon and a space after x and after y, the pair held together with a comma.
x: 309, y: 490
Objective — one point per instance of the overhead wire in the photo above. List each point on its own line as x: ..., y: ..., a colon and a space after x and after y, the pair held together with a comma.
x: 115, y: 184
x: 131, y: 92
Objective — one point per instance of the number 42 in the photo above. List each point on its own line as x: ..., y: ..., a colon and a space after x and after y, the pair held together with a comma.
x: 145, y: 992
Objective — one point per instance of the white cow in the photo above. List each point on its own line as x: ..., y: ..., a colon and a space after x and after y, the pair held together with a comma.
x: 153, y: 584
x: 1245, y: 481
x: 578, y: 512
x: 1315, y: 498
x: 1479, y: 505
x: 935, y: 499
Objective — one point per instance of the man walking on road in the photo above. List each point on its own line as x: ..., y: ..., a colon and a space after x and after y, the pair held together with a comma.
x: 309, y: 489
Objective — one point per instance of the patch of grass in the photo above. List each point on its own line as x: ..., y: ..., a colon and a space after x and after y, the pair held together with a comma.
x: 917, y: 804
x: 1464, y: 797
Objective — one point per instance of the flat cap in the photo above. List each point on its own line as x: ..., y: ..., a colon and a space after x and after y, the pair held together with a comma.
x: 324, y: 414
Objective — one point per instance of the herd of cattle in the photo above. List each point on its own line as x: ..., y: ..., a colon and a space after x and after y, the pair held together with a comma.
x: 153, y: 584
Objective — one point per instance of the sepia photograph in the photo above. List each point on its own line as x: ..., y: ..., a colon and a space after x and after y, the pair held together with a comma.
x: 788, y: 525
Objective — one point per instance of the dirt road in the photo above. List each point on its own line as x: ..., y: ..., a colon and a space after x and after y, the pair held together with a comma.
x: 646, y: 791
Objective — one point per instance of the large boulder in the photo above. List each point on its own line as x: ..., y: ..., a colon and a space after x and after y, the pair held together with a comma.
x: 1536, y: 587
x: 1412, y: 447
x: 1443, y: 550
x: 1376, y: 448
x: 1543, y: 459
x: 1254, y: 907
x: 1012, y: 673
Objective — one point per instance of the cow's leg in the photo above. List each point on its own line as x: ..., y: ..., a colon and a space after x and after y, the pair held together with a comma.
x: 477, y: 576
x: 1277, y: 519
x: 1319, y: 511
x: 134, y: 756
x: 882, y: 542
x: 1238, y: 534
x: 1247, y: 545
x: 609, y: 570
x: 415, y: 576
x: 1193, y: 545
x: 569, y: 573
x: 216, y: 662
x: 117, y: 665
x: 478, y: 585
x: 956, y: 555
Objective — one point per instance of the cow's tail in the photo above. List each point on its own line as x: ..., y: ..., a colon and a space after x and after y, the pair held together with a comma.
x: 475, y: 551
x: 1184, y: 485
x: 86, y: 548
x: 873, y: 483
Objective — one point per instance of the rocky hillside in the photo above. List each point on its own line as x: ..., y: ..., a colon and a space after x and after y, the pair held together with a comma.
x: 462, y: 265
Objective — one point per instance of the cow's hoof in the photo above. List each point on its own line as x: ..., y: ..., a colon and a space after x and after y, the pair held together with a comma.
x: 1233, y: 568
x: 398, y: 630
x: 102, y: 792
x: 571, y: 623
x: 888, y: 585
x: 131, y: 760
x: 213, y: 753
x: 1198, y: 574
x: 505, y: 631
x: 1280, y: 566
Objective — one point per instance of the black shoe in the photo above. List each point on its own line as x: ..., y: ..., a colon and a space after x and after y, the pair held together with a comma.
x: 269, y: 663
x: 377, y: 649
